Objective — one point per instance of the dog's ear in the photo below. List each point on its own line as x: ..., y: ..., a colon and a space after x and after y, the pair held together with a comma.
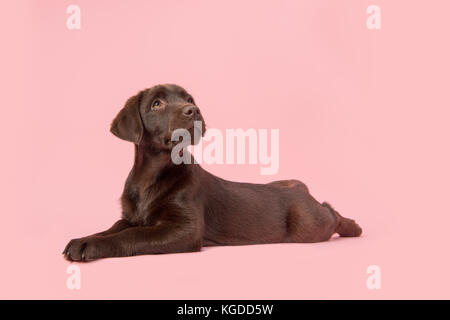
x: 127, y: 125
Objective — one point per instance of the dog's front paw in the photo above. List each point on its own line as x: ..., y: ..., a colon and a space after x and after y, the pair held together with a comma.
x: 83, y: 249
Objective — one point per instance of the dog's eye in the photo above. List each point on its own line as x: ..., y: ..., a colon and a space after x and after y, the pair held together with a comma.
x: 156, y: 103
x: 190, y: 100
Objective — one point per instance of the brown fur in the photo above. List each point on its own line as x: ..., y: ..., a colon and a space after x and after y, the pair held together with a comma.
x: 180, y: 208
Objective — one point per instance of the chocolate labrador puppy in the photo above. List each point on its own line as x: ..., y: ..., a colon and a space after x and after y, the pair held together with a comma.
x: 168, y: 208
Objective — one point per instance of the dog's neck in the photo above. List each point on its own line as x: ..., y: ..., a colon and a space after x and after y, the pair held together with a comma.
x: 151, y: 164
x: 149, y: 161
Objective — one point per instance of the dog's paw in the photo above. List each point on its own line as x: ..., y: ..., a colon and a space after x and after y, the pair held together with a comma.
x: 83, y: 249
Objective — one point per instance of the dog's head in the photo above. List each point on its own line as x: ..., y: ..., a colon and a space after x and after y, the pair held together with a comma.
x: 152, y: 115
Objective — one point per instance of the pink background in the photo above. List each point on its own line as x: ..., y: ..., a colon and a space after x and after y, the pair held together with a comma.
x: 363, y: 118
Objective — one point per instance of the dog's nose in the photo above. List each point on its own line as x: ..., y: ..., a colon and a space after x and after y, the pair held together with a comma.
x: 190, y: 111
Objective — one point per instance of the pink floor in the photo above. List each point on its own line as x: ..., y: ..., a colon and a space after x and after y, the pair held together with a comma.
x: 332, y: 270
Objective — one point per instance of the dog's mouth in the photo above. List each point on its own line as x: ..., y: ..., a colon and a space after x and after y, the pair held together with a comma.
x: 196, y: 132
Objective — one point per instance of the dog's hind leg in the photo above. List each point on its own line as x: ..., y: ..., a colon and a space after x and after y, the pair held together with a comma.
x: 345, y: 227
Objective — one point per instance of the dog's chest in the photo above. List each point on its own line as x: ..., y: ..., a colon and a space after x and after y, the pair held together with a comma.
x: 138, y: 205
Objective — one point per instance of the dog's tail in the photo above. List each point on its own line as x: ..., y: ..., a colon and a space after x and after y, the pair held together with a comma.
x: 345, y: 227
